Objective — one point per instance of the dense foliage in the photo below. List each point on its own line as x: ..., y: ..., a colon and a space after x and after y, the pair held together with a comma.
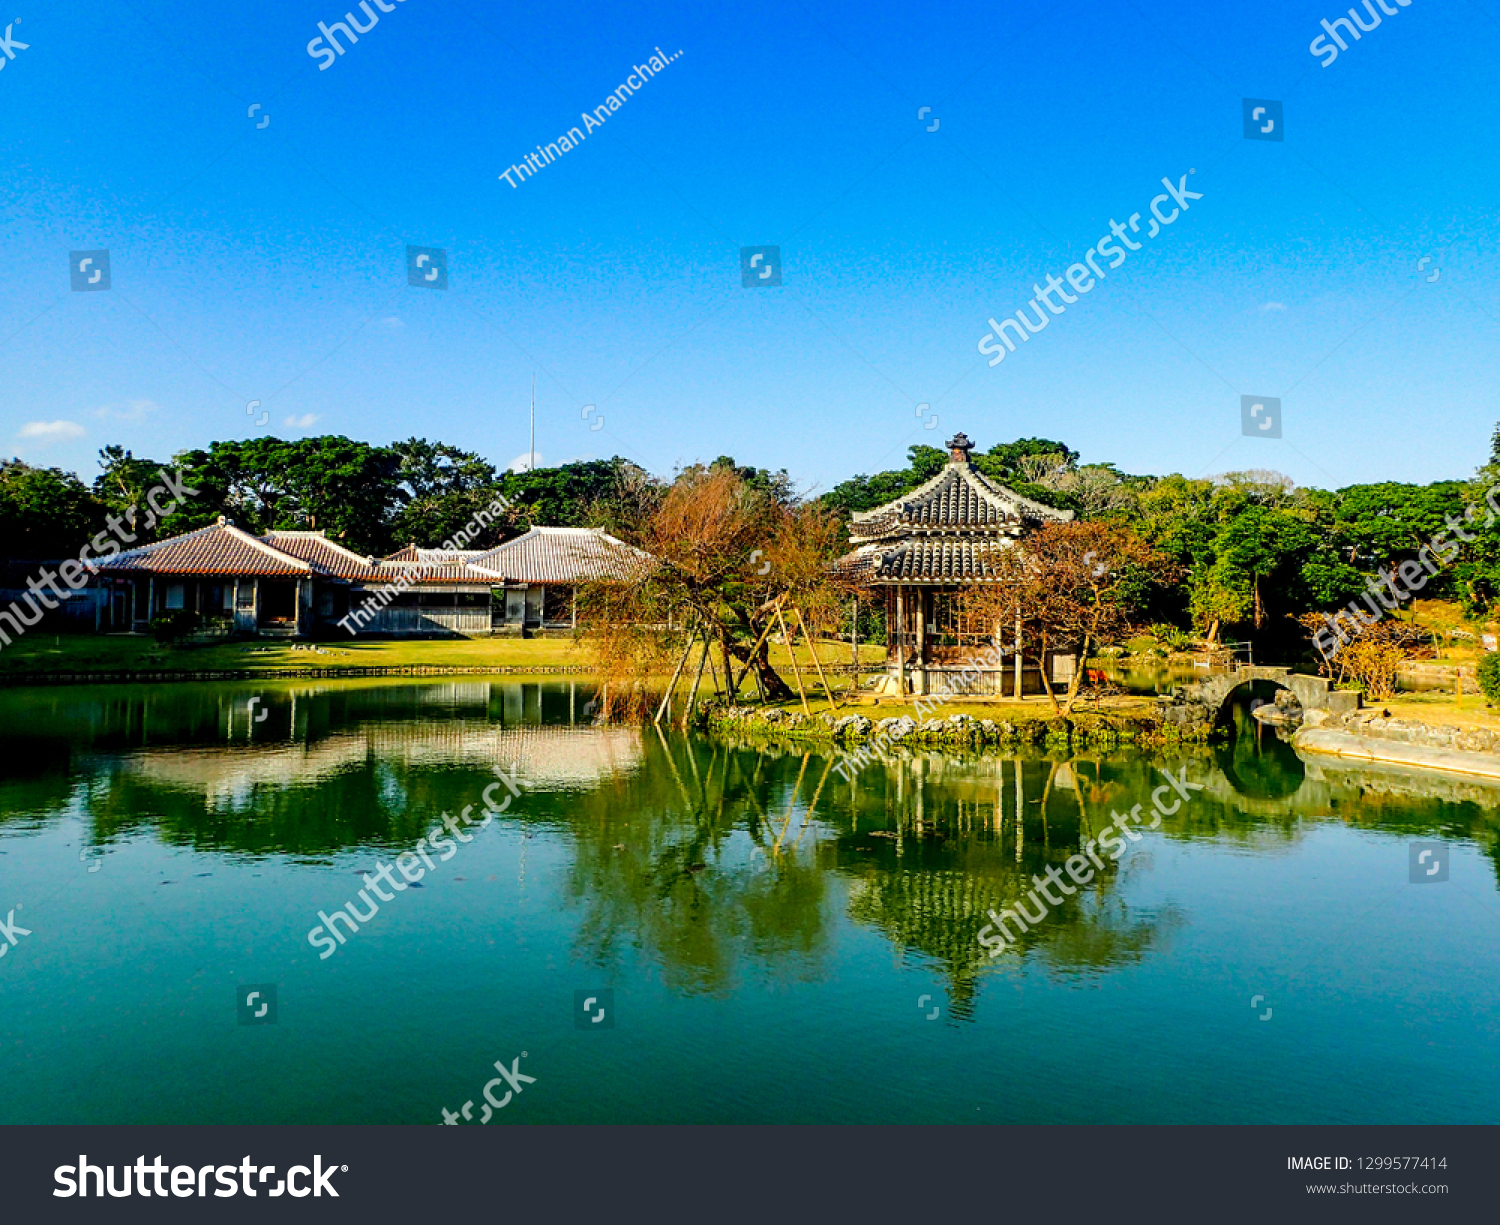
x: 370, y: 499
x: 1489, y: 677
x: 1251, y: 550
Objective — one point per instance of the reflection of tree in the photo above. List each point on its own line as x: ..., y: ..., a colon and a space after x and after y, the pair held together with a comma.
x: 658, y: 866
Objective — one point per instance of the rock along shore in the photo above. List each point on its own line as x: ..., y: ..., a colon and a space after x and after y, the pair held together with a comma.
x: 954, y: 731
x: 1370, y: 735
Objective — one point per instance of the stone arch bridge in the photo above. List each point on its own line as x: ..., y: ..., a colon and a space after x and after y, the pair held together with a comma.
x: 1202, y: 700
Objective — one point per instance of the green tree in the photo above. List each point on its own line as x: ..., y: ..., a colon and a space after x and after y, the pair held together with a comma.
x: 45, y: 512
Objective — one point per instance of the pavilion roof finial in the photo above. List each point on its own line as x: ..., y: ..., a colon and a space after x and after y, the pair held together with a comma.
x: 959, y: 447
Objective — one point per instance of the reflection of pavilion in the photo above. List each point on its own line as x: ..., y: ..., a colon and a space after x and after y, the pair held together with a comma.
x: 546, y: 757
x: 976, y: 843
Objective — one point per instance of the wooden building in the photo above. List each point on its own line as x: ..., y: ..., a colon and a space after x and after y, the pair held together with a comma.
x: 539, y: 573
x: 300, y: 583
x: 925, y: 548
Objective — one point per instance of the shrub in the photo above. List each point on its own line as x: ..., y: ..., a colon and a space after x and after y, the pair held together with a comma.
x: 174, y: 626
x: 1372, y: 666
x: 1170, y: 636
x: 1489, y: 677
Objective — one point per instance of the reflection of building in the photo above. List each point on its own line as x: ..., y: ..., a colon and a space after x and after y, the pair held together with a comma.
x: 293, y: 583
x: 545, y: 757
x: 922, y: 551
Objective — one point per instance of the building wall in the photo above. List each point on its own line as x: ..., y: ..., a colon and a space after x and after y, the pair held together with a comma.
x: 420, y: 622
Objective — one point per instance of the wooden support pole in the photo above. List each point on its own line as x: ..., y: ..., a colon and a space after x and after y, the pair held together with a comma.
x: 666, y: 698
x: 808, y: 815
x: 796, y: 671
x: 817, y: 663
x: 692, y: 697
x: 713, y: 668
x: 792, y: 803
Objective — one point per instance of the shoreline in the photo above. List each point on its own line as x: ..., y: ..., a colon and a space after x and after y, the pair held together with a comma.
x: 959, y: 730
x: 169, y: 676
x: 1372, y: 736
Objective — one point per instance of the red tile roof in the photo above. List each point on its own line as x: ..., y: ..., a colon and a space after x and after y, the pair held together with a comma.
x: 220, y: 548
x: 322, y: 554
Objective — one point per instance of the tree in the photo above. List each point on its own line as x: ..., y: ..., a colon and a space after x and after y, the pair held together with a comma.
x: 568, y: 496
x: 345, y: 488
x: 729, y: 550
x: 123, y: 485
x: 1076, y: 586
x: 45, y: 512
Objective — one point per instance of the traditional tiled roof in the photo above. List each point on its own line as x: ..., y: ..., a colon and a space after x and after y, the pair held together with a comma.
x: 220, y: 548
x: 563, y: 555
x: 411, y: 553
x: 928, y: 559
x: 946, y: 531
x: 322, y: 554
x: 960, y: 498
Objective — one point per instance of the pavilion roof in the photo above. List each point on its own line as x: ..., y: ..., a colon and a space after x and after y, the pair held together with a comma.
x: 959, y: 499
x: 939, y: 560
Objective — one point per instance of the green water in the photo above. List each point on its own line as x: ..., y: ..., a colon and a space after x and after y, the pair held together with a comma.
x: 781, y: 945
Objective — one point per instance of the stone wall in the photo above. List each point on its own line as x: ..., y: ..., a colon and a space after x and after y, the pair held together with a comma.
x: 1372, y: 735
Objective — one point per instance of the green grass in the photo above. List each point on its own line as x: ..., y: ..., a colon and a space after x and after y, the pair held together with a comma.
x: 39, y: 654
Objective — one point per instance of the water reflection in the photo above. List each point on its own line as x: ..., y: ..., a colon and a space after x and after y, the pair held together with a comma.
x: 714, y: 858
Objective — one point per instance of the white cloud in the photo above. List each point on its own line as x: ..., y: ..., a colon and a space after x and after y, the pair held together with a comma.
x: 52, y: 431
x: 135, y: 410
x: 1273, y: 306
x: 524, y: 462
x: 304, y: 422
x: 391, y: 321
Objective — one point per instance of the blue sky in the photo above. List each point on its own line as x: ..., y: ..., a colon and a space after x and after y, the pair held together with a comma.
x: 269, y: 264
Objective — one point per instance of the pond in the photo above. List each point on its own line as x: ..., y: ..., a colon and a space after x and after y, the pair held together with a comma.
x: 674, y: 928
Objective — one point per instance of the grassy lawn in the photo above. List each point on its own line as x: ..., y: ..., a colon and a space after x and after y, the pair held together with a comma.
x: 105, y: 653
x: 1444, y: 708
x: 43, y: 653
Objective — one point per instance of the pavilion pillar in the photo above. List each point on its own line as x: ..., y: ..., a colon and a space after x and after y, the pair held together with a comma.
x: 921, y: 677
x: 1019, y: 694
x: 901, y: 636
